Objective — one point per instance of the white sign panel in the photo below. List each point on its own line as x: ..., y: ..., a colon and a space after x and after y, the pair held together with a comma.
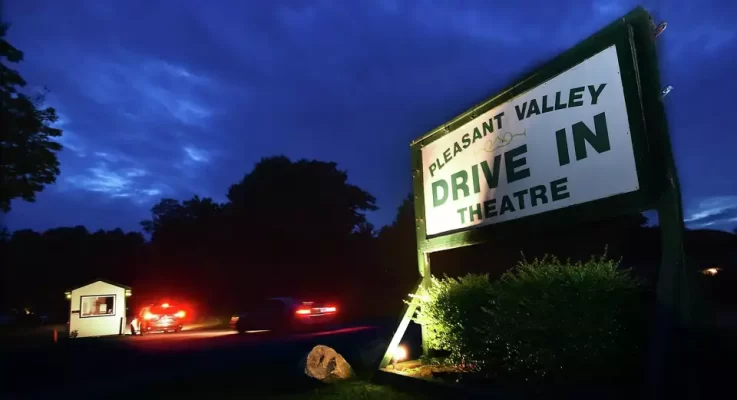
x: 563, y: 143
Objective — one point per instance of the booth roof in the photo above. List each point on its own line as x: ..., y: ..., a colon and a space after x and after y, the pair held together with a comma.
x: 99, y: 280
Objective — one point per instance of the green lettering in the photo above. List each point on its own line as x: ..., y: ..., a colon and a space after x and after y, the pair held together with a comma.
x: 575, y: 97
x: 440, y: 163
x: 520, y: 198
x: 475, y: 179
x: 488, y: 127
x: 498, y: 119
x: 466, y: 139
x: 432, y: 169
x: 511, y: 164
x: 507, y: 205
x: 582, y: 135
x: 521, y: 113
x: 490, y: 208
x: 456, y: 149
x: 562, y: 143
x: 446, y: 156
x: 437, y: 200
x: 477, y: 135
x: 546, y: 108
x: 492, y: 175
x: 463, y: 216
x: 476, y: 212
x: 595, y: 93
x: 538, y: 193
x: 558, y: 104
x: 559, y: 190
x: 534, y: 109
x: 459, y: 184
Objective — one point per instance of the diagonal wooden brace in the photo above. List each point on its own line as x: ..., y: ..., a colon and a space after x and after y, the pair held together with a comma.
x: 402, y: 328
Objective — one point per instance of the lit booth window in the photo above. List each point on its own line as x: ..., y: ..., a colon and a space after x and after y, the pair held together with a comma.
x: 97, y: 309
x: 97, y: 306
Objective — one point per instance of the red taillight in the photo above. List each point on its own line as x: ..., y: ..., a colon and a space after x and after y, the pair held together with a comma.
x: 147, y: 315
x: 304, y: 311
x: 330, y: 309
x: 180, y: 314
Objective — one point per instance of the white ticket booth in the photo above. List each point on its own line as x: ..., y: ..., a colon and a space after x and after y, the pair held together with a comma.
x: 97, y: 309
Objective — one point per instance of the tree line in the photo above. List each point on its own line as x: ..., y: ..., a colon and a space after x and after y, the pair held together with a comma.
x: 298, y: 228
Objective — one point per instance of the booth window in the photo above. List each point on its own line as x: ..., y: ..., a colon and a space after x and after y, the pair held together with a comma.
x: 97, y: 306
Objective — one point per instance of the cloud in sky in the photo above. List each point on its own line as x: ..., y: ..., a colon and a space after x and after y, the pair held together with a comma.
x: 713, y: 212
x: 196, y: 154
x: 177, y: 98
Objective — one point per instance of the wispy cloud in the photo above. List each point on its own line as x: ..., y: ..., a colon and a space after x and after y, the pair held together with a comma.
x: 123, y: 182
x: 142, y: 87
x: 71, y: 141
x: 148, y: 117
x: 106, y: 156
x: 197, y: 155
x: 712, y: 211
x: 610, y: 8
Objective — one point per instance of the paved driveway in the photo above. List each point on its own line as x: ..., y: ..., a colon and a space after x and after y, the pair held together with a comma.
x: 92, y: 367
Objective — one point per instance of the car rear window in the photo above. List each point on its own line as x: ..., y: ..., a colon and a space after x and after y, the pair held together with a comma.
x: 162, y: 310
x: 312, y: 304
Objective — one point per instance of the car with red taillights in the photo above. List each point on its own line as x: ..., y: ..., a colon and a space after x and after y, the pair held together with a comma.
x: 284, y: 314
x: 163, y: 317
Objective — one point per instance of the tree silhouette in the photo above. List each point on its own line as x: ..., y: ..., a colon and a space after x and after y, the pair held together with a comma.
x: 279, y: 194
x: 288, y: 226
x: 397, y: 253
x: 39, y: 267
x: 299, y: 221
x: 28, y: 154
x: 169, y: 216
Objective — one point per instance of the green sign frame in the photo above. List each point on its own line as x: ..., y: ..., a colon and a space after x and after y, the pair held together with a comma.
x: 658, y: 181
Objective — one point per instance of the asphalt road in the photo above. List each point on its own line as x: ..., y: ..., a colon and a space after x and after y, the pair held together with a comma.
x: 203, y: 339
x: 116, y: 366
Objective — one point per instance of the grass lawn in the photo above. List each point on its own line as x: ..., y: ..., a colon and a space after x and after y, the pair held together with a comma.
x: 269, y: 380
x: 359, y: 390
x: 356, y: 389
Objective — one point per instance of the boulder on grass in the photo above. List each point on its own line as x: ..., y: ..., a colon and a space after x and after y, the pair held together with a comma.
x: 326, y: 365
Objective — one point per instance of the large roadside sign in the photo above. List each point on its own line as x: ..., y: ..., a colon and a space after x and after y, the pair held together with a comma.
x: 582, y: 138
x: 567, y: 143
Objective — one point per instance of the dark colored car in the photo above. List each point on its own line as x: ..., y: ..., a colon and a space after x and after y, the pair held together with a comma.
x: 158, y: 318
x: 284, y: 314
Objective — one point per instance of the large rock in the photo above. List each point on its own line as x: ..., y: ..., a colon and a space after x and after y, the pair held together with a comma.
x: 326, y: 365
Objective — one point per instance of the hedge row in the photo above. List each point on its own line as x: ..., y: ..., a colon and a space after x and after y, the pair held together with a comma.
x: 544, y: 321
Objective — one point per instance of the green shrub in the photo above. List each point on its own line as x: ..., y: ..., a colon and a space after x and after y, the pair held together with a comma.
x: 452, y: 310
x: 544, y: 321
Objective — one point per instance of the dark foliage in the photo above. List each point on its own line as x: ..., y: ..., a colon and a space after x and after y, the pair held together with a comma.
x: 39, y: 267
x: 27, y: 150
x: 288, y: 228
x: 309, y: 237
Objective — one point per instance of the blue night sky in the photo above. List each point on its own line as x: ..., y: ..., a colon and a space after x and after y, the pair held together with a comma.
x: 176, y: 98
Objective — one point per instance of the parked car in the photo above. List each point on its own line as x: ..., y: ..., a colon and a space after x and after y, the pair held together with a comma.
x: 158, y: 318
x: 284, y: 314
